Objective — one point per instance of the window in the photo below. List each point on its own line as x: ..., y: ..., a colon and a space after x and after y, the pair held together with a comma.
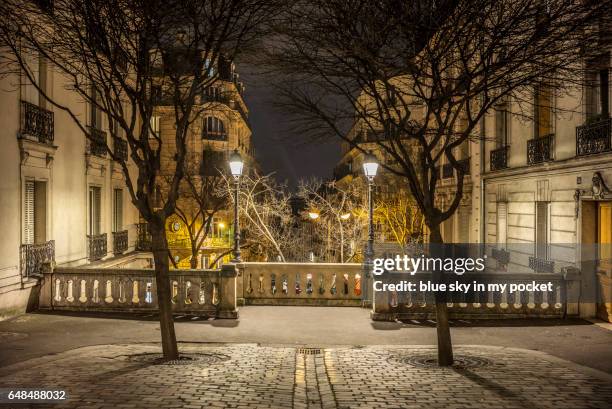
x: 117, y: 209
x: 541, y: 231
x: 94, y: 216
x: 213, y: 128
x: 501, y: 125
x: 543, y: 111
x: 218, y: 228
x: 502, y: 224
x: 598, y: 88
x: 155, y: 126
x: 96, y: 113
x: 35, y: 212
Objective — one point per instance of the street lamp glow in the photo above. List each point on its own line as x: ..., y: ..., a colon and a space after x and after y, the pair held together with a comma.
x: 313, y: 215
x: 345, y: 216
x: 370, y: 166
x: 236, y: 164
x: 221, y: 225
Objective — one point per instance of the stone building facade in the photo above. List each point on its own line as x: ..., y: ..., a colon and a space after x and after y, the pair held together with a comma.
x: 62, y: 197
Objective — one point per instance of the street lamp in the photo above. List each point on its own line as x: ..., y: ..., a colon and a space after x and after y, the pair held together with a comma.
x: 370, y: 167
x: 236, y: 165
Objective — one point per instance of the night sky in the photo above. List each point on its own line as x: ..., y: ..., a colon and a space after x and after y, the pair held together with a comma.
x: 278, y: 148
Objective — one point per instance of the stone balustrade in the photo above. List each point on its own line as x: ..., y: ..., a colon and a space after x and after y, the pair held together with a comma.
x: 391, y: 305
x: 210, y: 293
x: 332, y: 284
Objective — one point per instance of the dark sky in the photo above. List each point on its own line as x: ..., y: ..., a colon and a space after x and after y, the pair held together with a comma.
x: 278, y: 148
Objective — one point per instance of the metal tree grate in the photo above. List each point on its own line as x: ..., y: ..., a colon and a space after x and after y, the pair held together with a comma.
x: 430, y: 360
x: 184, y: 359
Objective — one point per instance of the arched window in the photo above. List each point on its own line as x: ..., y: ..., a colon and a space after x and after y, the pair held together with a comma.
x: 214, y: 129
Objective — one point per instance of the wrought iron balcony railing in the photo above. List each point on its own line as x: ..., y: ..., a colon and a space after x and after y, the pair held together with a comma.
x: 97, y: 246
x: 37, y: 122
x: 593, y: 138
x: 499, y: 158
x: 540, y: 149
x: 144, y: 237
x: 121, y: 149
x: 214, y: 136
x: 34, y: 255
x: 120, y: 242
x: 541, y: 266
x: 502, y: 256
x: 97, y: 144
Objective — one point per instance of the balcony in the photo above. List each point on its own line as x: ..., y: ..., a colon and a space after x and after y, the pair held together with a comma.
x: 593, y: 138
x: 541, y: 266
x: 96, y: 247
x: 540, y: 150
x: 37, y: 123
x: 502, y: 256
x: 144, y: 237
x: 97, y: 144
x: 121, y: 149
x: 33, y: 256
x: 499, y: 158
x: 214, y: 136
x: 120, y: 242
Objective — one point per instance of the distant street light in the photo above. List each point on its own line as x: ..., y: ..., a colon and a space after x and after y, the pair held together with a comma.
x: 345, y: 216
x: 313, y: 215
x: 370, y: 168
x: 236, y: 165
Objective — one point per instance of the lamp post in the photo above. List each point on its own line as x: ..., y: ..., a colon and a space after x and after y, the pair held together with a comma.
x: 236, y: 165
x: 370, y: 167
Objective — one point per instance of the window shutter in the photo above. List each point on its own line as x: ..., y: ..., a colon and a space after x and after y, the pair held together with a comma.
x: 98, y: 223
x: 28, y: 213
x: 118, y: 210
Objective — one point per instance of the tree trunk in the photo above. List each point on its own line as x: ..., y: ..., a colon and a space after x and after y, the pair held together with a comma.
x: 162, y: 280
x: 445, y: 346
x: 194, y: 259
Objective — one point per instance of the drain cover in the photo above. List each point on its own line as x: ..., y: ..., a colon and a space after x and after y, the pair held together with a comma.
x: 184, y: 359
x: 431, y: 361
x: 308, y: 351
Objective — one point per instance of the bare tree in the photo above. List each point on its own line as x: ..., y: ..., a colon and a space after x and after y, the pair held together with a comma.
x: 201, y: 197
x: 266, y: 214
x: 342, y: 213
x: 400, y: 217
x: 416, y: 78
x: 126, y: 58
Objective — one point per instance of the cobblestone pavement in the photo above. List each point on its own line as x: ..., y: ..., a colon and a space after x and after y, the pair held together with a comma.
x: 256, y: 376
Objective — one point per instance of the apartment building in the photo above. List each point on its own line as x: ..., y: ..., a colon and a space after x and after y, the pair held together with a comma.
x: 62, y: 197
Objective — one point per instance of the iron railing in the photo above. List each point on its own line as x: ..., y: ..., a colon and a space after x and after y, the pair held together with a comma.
x: 97, y: 246
x: 541, y: 266
x: 34, y: 255
x: 120, y: 242
x: 499, y: 158
x: 540, y: 149
x: 121, y: 149
x: 144, y: 240
x: 593, y: 138
x: 97, y: 144
x: 37, y: 122
x: 502, y: 256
